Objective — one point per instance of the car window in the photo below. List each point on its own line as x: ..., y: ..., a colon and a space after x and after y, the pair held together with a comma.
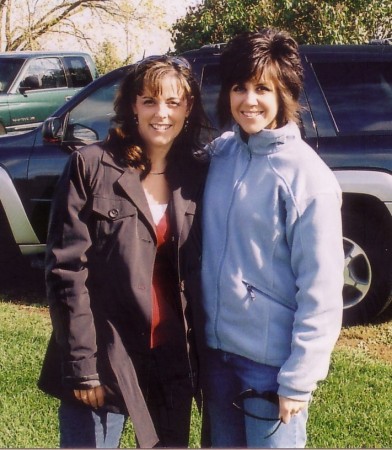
x: 79, y: 71
x: 44, y: 73
x: 210, y: 90
x: 9, y: 68
x: 90, y: 119
x: 359, y: 95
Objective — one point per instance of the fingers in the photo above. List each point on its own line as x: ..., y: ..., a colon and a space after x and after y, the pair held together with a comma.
x: 289, y: 408
x: 100, y: 395
x: 91, y: 397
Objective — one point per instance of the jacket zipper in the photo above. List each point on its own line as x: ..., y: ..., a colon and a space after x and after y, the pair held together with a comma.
x: 236, y: 186
x: 250, y: 290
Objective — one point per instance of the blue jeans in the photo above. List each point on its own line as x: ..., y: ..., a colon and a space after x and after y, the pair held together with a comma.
x: 82, y: 427
x: 226, y: 375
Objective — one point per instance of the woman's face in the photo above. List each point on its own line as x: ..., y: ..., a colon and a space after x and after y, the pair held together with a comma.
x: 255, y: 105
x: 161, y: 118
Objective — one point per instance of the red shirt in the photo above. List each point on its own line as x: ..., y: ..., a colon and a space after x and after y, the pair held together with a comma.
x: 167, y: 322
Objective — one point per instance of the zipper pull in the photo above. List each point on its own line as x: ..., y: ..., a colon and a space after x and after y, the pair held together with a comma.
x: 249, y: 288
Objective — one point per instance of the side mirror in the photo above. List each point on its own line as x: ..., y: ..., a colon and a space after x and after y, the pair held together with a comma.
x: 52, y: 129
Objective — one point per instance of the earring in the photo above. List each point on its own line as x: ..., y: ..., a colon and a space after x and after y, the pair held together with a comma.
x: 186, y: 123
x: 135, y: 117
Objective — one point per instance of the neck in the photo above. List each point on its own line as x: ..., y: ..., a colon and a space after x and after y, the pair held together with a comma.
x: 244, y: 135
x: 158, y: 163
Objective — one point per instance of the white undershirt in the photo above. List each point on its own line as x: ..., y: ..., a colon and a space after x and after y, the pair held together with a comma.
x: 157, y: 210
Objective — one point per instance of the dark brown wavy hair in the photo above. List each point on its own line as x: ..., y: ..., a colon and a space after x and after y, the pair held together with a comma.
x: 270, y: 53
x: 124, y: 140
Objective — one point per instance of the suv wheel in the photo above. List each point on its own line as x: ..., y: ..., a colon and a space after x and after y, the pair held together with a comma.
x: 368, y: 261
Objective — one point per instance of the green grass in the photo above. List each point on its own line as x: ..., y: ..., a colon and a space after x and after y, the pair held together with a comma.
x: 351, y: 409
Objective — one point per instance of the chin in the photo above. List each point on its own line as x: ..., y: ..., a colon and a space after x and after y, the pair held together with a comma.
x: 253, y: 130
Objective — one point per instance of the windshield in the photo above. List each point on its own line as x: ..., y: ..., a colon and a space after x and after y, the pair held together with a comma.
x: 9, y: 67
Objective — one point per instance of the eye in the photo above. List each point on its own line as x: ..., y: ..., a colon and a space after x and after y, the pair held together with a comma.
x: 148, y: 101
x: 263, y: 88
x: 174, y: 103
x: 238, y: 88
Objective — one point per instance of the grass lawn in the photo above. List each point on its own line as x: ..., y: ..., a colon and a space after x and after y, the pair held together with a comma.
x: 351, y: 409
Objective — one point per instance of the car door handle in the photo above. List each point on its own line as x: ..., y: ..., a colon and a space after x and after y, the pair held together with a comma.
x: 68, y: 97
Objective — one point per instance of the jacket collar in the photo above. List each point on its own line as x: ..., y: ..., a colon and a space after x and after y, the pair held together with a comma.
x: 183, y: 182
x: 269, y: 141
x: 129, y: 182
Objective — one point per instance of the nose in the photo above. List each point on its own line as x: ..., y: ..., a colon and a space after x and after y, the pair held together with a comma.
x: 251, y: 97
x: 162, y: 110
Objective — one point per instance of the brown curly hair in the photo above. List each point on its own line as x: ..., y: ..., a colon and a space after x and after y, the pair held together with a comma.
x: 124, y: 140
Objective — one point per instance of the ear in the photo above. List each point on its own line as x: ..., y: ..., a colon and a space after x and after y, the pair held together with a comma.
x: 134, y: 109
x: 189, y: 106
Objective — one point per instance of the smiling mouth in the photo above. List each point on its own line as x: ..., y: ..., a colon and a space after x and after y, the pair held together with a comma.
x: 251, y: 114
x: 160, y: 127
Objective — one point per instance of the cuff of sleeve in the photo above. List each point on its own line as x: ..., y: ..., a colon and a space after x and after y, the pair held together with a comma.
x: 293, y: 394
x: 87, y: 384
x: 83, y: 371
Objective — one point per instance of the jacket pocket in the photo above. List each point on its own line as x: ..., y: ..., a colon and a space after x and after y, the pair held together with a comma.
x: 113, y: 219
x: 253, y: 290
x: 112, y: 209
x: 272, y: 322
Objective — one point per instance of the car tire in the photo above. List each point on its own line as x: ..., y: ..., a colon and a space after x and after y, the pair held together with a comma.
x: 368, y: 265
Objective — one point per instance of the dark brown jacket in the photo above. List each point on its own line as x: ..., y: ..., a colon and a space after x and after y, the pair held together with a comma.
x: 100, y: 256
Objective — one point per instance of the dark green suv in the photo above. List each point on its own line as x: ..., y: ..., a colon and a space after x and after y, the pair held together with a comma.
x: 34, y: 84
x: 346, y: 118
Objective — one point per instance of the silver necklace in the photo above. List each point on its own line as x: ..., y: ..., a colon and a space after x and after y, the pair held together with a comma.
x: 157, y: 173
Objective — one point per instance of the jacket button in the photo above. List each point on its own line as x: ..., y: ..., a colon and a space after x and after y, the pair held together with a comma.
x: 113, y: 213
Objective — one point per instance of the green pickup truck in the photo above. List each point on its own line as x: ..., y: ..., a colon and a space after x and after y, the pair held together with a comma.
x: 34, y: 84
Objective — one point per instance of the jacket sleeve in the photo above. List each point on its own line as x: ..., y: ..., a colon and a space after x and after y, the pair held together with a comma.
x: 315, y: 237
x: 66, y: 273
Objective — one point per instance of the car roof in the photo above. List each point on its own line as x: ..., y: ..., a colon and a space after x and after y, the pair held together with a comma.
x: 209, y: 52
x: 347, y: 48
x: 26, y: 54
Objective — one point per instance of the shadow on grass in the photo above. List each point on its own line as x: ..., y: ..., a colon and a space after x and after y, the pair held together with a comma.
x: 21, y: 283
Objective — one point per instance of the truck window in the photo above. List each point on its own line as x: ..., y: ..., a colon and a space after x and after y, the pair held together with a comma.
x: 78, y: 70
x: 44, y: 73
x: 359, y: 95
x: 9, y: 68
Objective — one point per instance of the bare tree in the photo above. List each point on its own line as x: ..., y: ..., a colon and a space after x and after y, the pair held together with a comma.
x: 22, y: 25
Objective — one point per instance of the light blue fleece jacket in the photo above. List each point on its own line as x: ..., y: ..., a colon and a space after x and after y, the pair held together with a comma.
x: 273, y: 261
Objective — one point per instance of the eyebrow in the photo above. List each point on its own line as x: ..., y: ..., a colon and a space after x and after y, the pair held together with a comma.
x: 168, y: 99
x: 268, y: 84
x: 265, y: 84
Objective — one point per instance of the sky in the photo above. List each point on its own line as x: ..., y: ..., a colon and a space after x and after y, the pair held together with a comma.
x: 160, y: 41
x: 140, y: 43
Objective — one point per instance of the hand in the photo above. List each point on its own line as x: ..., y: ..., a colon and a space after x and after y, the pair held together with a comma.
x: 93, y: 397
x: 289, y: 407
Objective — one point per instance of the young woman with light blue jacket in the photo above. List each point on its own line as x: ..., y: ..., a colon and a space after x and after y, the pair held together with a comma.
x: 272, y: 266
